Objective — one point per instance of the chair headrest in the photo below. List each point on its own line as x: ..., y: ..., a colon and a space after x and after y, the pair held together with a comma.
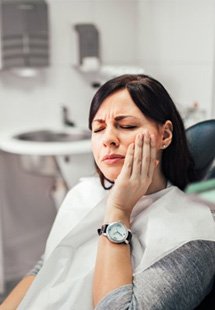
x: 201, y: 142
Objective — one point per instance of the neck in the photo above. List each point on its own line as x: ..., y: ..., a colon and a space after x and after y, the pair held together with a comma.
x: 159, y: 182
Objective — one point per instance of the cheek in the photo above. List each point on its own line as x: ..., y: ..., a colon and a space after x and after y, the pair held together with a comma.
x: 95, y: 148
x: 158, y: 141
x: 158, y: 144
x: 129, y: 137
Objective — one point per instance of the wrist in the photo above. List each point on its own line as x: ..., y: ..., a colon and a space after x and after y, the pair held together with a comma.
x: 116, y: 214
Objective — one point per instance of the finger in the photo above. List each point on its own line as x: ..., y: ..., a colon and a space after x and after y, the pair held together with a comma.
x: 128, y: 162
x: 146, y: 155
x: 137, y: 162
x: 153, y: 161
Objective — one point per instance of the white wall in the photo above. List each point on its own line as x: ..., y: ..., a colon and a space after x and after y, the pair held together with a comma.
x: 36, y: 101
x: 172, y: 39
x: 176, y: 45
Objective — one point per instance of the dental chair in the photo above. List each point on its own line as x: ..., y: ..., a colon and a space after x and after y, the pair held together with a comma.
x: 201, y: 142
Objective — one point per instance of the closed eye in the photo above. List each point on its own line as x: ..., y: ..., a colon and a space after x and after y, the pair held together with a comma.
x: 128, y: 127
x: 98, y: 130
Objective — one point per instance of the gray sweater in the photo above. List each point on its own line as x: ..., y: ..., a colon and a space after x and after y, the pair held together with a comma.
x: 179, y: 281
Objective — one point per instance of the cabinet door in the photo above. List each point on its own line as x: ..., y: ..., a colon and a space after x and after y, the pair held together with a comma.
x: 12, y: 20
x: 25, y: 39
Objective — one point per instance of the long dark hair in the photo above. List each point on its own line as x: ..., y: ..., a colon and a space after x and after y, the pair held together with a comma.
x: 153, y: 100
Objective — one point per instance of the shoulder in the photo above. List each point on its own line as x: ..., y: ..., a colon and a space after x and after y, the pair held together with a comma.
x: 193, y: 198
x: 182, y: 278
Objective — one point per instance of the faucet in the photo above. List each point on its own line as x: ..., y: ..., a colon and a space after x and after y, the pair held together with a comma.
x: 66, y: 120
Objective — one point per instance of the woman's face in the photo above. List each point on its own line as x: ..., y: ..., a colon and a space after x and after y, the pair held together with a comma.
x: 114, y: 127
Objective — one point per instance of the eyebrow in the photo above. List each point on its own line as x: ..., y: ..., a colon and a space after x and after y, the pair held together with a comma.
x: 117, y: 118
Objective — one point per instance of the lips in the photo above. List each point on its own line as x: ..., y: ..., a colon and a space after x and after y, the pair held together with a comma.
x: 112, y: 158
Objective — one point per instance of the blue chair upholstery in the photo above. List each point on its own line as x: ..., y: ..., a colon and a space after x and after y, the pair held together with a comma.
x: 201, y: 142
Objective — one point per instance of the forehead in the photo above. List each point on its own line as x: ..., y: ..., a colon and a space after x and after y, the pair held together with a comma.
x: 119, y: 102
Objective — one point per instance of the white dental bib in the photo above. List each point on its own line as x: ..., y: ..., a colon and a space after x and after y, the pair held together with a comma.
x: 161, y: 222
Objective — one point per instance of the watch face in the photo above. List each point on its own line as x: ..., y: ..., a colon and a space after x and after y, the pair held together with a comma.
x: 117, y: 232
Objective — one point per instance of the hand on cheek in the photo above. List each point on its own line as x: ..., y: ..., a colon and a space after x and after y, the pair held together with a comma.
x: 136, y: 174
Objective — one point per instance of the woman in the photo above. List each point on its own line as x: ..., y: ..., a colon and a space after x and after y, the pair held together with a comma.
x: 155, y: 246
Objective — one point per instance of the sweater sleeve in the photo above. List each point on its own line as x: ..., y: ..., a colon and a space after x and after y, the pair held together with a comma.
x: 179, y: 281
x: 34, y: 271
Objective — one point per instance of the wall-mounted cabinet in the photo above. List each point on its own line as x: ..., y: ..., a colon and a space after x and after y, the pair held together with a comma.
x: 24, y: 33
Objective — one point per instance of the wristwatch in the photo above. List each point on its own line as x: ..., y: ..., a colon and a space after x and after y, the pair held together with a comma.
x: 116, y: 232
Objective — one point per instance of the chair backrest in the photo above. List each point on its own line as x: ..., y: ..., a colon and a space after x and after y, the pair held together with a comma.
x: 201, y: 142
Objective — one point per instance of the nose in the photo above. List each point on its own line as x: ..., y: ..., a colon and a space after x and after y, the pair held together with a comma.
x: 110, y: 138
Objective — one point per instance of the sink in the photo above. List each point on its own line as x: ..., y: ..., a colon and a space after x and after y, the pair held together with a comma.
x: 47, y: 141
x: 53, y: 136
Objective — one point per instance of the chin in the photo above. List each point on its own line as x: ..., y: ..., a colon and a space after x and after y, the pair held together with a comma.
x: 112, y: 176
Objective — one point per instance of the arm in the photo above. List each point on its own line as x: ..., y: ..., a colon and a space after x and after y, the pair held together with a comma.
x: 17, y: 294
x: 183, y: 278
x: 113, y: 265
